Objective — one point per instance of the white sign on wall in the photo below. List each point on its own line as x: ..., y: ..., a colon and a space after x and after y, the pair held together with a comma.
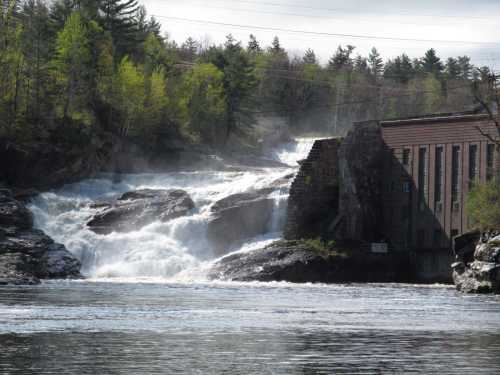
x: 380, y: 248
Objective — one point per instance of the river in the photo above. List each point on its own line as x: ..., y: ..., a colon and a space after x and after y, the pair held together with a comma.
x: 146, y: 306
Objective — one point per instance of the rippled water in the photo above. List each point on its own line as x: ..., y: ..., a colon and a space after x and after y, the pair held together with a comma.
x: 229, y: 328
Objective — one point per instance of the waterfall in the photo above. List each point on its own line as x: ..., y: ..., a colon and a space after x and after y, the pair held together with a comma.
x: 165, y: 250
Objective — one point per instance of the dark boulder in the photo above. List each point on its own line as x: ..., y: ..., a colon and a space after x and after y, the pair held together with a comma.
x: 299, y: 262
x: 27, y: 254
x: 243, y: 216
x: 135, y: 209
x: 237, y: 218
x: 13, y: 213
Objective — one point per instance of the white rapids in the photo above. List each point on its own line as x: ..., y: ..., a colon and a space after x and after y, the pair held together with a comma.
x: 175, y: 250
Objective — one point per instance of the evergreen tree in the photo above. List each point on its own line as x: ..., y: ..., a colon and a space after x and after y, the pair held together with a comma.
x: 361, y: 65
x: 375, y: 63
x: 276, y: 47
x: 342, y: 58
x: 189, y: 49
x: 119, y: 19
x: 309, y: 57
x: 431, y: 63
x: 253, y: 45
x: 452, y: 68
x: 465, y: 67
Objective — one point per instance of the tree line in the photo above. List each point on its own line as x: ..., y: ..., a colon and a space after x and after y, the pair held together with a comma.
x: 71, y: 68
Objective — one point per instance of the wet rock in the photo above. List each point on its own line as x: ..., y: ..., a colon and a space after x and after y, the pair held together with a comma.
x: 299, y: 262
x: 483, y: 274
x: 138, y: 208
x: 239, y: 217
x: 13, y: 213
x: 27, y: 254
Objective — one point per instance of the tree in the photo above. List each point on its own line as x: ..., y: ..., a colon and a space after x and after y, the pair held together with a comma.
x: 71, y: 64
x: 253, y: 46
x: 11, y: 65
x: 128, y: 95
x: 119, y: 19
x: 309, y: 57
x: 276, y: 46
x: 465, y: 67
x: 431, y: 63
x: 483, y: 206
x: 452, y: 68
x: 189, y: 49
x: 375, y: 63
x: 342, y: 58
x: 204, y: 104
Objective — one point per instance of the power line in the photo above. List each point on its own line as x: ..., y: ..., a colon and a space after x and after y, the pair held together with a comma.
x: 318, y: 33
x: 347, y: 10
x: 327, y: 17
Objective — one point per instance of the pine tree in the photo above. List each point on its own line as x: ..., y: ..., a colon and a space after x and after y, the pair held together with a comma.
x: 189, y: 49
x: 119, y: 18
x: 309, y: 57
x: 465, y: 67
x: 342, y: 58
x: 375, y: 63
x: 253, y: 45
x: 276, y: 47
x: 431, y: 63
x: 452, y: 68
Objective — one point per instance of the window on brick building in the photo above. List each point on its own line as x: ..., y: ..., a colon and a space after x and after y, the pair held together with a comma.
x: 490, y: 161
x: 455, y: 174
x: 406, y: 156
x: 473, y: 165
x: 439, y: 176
x: 423, y: 171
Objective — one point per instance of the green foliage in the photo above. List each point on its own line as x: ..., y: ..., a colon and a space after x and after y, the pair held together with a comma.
x: 320, y: 246
x: 102, y: 65
x: 70, y: 64
x: 129, y: 95
x: 204, y: 103
x: 483, y: 206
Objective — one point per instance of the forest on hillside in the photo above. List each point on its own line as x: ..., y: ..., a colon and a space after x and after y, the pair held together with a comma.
x: 70, y: 68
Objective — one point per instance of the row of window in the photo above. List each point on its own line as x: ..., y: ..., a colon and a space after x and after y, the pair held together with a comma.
x: 439, y: 170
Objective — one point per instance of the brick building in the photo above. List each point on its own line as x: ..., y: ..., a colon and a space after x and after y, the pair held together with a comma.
x: 430, y: 165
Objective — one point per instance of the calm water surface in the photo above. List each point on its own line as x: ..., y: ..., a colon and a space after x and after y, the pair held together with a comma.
x: 157, y: 328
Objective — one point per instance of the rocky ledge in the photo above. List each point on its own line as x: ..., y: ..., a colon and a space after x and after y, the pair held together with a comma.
x: 303, y: 261
x: 240, y: 217
x: 482, y: 275
x: 26, y: 254
x: 138, y: 208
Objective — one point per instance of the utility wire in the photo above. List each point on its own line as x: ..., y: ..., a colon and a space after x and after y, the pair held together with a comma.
x: 318, y: 33
x: 323, y: 16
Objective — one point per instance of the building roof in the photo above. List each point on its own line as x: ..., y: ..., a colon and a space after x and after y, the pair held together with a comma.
x: 429, y: 119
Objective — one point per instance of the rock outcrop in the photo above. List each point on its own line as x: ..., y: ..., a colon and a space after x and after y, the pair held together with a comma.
x: 299, y: 262
x: 314, y: 194
x: 482, y: 275
x: 243, y: 216
x: 239, y: 217
x: 27, y: 254
x: 136, y: 209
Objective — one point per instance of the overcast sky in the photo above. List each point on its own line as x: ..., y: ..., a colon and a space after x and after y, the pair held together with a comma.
x: 462, y: 21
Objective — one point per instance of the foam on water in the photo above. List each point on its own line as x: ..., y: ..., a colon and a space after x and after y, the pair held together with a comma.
x: 175, y: 250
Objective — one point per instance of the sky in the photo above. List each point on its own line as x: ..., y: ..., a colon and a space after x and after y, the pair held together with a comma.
x: 452, y: 27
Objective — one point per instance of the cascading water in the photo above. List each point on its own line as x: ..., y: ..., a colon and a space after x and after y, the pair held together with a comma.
x: 172, y: 250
